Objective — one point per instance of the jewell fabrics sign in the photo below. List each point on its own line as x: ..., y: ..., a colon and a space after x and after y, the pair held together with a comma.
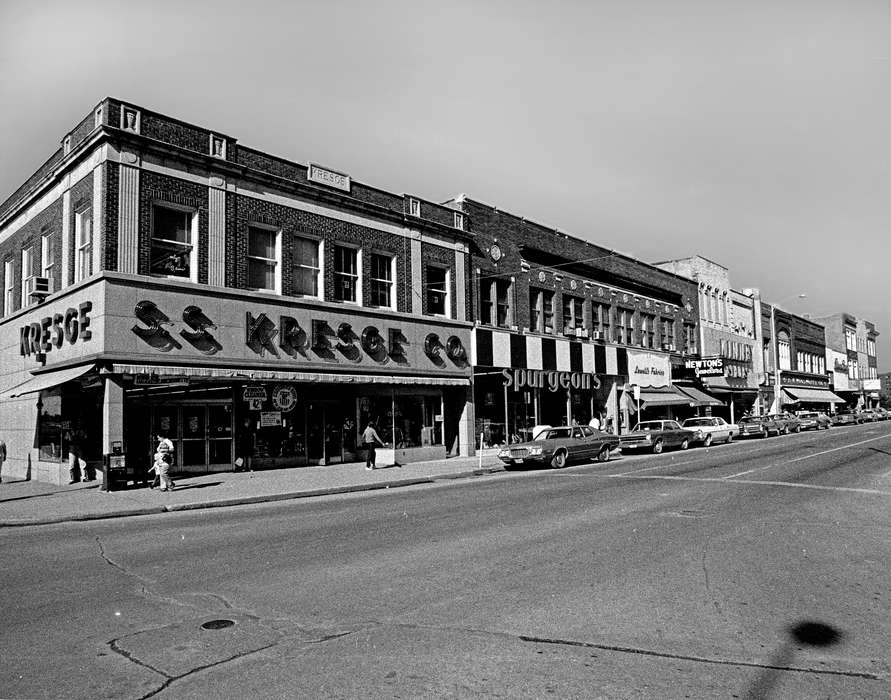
x: 648, y: 369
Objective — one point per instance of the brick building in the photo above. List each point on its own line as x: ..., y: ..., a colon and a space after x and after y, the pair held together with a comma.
x: 851, y: 353
x: 162, y: 277
x: 567, y: 329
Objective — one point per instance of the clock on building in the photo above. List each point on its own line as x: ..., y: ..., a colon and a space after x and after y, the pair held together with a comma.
x: 495, y: 252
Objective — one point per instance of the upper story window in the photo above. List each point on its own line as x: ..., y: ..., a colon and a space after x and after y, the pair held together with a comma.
x: 784, y: 348
x: 541, y: 310
x: 853, y: 369
x: 459, y: 220
x: 667, y: 332
x: 690, y: 343
x: 264, y: 253
x: 47, y: 254
x: 414, y: 207
x: 27, y: 273
x: 9, y: 287
x: 871, y: 347
x: 174, y: 243
x: 346, y: 274
x: 495, y: 302
x: 647, y: 330
x: 306, y: 270
x: 600, y: 320
x: 437, y: 286
x: 573, y: 313
x: 382, y: 280
x: 624, y: 326
x: 850, y: 339
x: 83, y: 243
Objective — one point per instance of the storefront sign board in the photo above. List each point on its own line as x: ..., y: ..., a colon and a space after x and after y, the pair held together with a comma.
x: 270, y: 419
x: 648, y: 368
x: 711, y: 367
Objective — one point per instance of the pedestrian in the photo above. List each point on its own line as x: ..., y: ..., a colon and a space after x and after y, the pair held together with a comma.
x: 244, y: 449
x: 164, y: 446
x: 76, y: 466
x: 369, y: 437
x: 161, y: 466
x: 2, y: 458
x: 594, y: 422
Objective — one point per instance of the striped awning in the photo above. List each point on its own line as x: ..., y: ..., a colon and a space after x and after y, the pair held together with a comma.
x: 223, y: 374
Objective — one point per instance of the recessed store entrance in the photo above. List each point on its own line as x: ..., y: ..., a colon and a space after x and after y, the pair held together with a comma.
x: 201, y: 434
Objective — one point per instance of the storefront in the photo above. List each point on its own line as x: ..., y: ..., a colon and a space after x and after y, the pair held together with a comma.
x: 108, y: 365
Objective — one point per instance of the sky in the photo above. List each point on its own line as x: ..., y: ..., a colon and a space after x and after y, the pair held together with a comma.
x: 756, y: 134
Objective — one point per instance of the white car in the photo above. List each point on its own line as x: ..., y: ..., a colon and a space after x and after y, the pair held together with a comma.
x: 711, y: 429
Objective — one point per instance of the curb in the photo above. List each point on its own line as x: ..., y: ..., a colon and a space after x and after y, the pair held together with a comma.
x: 249, y: 500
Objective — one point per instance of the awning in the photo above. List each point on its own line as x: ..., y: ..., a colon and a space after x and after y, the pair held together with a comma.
x: 796, y: 394
x: 664, y: 397
x: 46, y: 381
x: 228, y: 374
x: 720, y: 385
x: 699, y: 397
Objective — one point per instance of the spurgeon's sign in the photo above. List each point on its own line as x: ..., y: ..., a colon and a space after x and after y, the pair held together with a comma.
x: 549, y: 379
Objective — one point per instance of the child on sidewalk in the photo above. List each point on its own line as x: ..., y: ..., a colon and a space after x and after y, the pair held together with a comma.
x: 161, y: 467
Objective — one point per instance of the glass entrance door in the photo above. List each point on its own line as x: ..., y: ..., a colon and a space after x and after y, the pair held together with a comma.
x: 324, y: 433
x: 201, y: 434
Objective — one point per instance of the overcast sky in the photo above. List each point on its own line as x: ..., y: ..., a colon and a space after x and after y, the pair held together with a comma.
x: 755, y: 133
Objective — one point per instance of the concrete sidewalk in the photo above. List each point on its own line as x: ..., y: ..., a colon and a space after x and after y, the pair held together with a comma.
x: 35, y: 503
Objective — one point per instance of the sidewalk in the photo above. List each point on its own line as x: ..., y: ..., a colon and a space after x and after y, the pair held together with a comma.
x: 37, y: 503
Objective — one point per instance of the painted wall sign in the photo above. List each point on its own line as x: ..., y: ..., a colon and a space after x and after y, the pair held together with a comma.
x: 648, y: 368
x: 713, y: 367
x: 326, y: 176
x: 41, y: 337
x: 549, y: 379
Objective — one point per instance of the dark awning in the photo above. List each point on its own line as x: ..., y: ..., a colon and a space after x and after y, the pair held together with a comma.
x: 668, y: 396
x: 720, y: 385
x: 700, y: 397
x: 47, y: 381
x: 797, y: 393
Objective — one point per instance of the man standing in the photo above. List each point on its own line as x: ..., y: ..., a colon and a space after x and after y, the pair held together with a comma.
x: 369, y: 438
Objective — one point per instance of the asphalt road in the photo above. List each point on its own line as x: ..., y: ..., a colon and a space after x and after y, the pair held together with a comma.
x: 671, y: 576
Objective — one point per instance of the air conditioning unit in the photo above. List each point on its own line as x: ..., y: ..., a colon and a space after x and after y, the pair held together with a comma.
x: 597, y: 335
x: 581, y: 333
x: 668, y: 347
x: 38, y: 287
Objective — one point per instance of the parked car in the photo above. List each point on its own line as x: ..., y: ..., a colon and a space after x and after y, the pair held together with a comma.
x: 868, y: 415
x: 529, y: 434
x: 711, y: 429
x: 846, y: 418
x: 657, y: 435
x: 787, y: 422
x: 556, y: 447
x: 758, y: 426
x: 883, y: 413
x: 814, y: 420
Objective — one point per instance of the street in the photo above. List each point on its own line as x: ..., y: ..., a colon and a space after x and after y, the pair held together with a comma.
x: 754, y: 569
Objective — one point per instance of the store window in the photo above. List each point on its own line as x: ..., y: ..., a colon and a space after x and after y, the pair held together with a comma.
x: 573, y: 313
x: 264, y: 252
x: 541, y: 310
x: 437, y: 286
x: 415, y: 421
x: 495, y: 306
x: 346, y: 273
x: 69, y: 420
x: 173, y: 243
x: 382, y: 280
x: 83, y: 243
x: 306, y: 271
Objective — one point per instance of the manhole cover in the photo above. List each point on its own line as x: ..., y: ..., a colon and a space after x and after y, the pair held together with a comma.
x: 815, y: 634
x: 217, y: 624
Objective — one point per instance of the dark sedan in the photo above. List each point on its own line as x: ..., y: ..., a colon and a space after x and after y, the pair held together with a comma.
x: 758, y: 426
x: 846, y: 418
x: 787, y: 422
x: 657, y: 435
x: 814, y: 420
x: 557, y: 447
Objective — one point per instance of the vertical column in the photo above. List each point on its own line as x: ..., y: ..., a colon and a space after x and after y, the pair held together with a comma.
x: 128, y: 214
x: 417, y: 290
x: 66, y: 238
x: 460, y: 286
x: 112, y: 414
x: 466, y: 438
x: 216, y: 233
x: 99, y: 227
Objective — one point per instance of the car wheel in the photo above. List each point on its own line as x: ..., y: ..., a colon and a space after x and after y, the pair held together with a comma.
x: 558, y: 461
x: 685, y: 443
x: 603, y: 455
x: 797, y: 428
x: 657, y: 447
x: 708, y: 440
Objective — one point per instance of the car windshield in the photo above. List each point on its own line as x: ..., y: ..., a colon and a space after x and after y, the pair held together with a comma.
x: 648, y: 426
x: 751, y: 419
x: 699, y: 421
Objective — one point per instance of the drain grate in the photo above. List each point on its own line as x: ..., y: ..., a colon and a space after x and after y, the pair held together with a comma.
x: 217, y: 624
